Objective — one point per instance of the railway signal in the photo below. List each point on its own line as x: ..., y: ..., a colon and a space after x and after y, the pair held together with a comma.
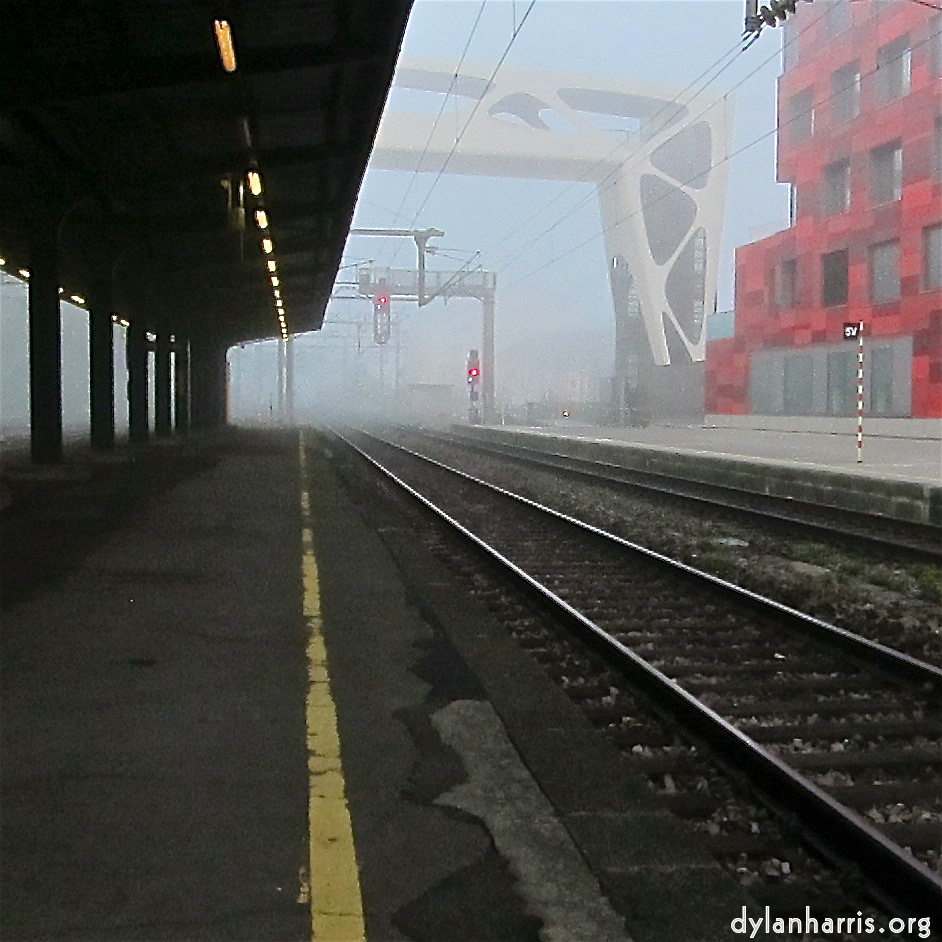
x: 381, y: 322
x: 474, y: 379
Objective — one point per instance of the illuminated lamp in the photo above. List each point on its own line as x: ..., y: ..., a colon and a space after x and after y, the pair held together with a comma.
x: 261, y: 218
x: 225, y: 44
x: 272, y: 264
x: 254, y: 179
x: 267, y: 246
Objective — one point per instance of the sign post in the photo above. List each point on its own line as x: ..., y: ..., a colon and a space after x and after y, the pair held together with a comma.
x: 855, y: 331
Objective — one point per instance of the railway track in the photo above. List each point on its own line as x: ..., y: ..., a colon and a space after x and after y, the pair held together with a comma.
x: 843, y: 732
x: 902, y: 539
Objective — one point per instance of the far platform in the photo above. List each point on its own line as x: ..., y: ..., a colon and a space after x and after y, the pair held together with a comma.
x: 900, y: 474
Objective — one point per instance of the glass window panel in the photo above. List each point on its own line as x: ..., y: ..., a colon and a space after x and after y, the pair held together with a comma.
x: 801, y: 115
x: 798, y: 376
x: 761, y: 380
x: 837, y: 187
x: 834, y: 278
x: 842, y: 383
x: 845, y: 92
x: 886, y: 173
x: 894, y: 68
x: 880, y: 369
x: 884, y: 272
x: 787, y: 286
x: 932, y: 257
x: 837, y: 15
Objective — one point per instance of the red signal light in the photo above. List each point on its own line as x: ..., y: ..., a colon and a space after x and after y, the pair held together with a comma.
x: 474, y: 371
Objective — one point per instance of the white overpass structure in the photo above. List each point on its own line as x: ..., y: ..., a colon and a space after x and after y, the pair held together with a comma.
x: 660, y: 178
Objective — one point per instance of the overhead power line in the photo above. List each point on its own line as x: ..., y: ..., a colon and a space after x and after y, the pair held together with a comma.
x: 630, y: 163
x: 736, y: 153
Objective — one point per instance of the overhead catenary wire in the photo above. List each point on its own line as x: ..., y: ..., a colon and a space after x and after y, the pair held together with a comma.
x: 630, y: 163
x: 735, y: 153
x: 729, y: 54
x: 452, y: 85
x: 474, y: 111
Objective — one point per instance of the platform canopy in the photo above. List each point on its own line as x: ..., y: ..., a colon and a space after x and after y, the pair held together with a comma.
x: 121, y: 125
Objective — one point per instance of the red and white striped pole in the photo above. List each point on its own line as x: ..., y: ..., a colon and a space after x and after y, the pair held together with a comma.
x: 860, y: 391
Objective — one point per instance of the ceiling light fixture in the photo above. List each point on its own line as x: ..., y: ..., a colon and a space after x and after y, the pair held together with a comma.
x: 277, y: 293
x: 267, y: 246
x: 225, y: 44
x: 261, y: 218
x: 274, y: 280
x: 272, y: 264
x: 3, y: 261
x: 255, y: 182
x: 24, y: 272
x: 279, y: 303
x: 78, y: 299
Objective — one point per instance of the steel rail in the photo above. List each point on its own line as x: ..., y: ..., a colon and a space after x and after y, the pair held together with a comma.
x: 872, y: 652
x: 846, y: 835
x: 607, y: 473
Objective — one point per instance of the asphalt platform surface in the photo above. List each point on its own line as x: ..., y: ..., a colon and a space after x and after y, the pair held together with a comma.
x: 152, y: 723
x: 883, y: 456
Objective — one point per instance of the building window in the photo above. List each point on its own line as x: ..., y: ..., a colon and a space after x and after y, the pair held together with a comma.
x: 886, y: 173
x: 798, y: 384
x: 845, y: 92
x: 837, y: 187
x: 894, y: 69
x: 763, y: 383
x: 837, y: 16
x: 937, y: 53
x: 932, y: 257
x: 792, y: 204
x: 834, y: 278
x: 842, y: 383
x: 881, y: 381
x: 884, y: 272
x: 786, y: 288
x: 801, y: 115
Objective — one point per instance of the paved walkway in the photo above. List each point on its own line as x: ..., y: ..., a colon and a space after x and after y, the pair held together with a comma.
x: 901, y: 458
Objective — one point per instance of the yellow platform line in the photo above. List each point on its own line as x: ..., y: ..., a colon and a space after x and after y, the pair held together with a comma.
x: 331, y: 884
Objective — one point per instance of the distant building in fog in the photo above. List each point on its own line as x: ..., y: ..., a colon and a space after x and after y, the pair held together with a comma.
x: 860, y: 142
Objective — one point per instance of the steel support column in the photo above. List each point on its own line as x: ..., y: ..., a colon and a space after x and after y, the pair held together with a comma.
x: 181, y: 385
x: 162, y: 417
x: 101, y: 366
x: 487, y: 366
x: 281, y: 380
x: 289, y: 379
x: 208, y: 382
x: 45, y: 343
x: 138, y: 430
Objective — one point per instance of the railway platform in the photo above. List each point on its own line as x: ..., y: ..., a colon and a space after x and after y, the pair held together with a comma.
x: 219, y: 663
x: 900, y: 474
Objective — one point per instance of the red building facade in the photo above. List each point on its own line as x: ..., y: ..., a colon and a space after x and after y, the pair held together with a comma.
x: 860, y: 142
